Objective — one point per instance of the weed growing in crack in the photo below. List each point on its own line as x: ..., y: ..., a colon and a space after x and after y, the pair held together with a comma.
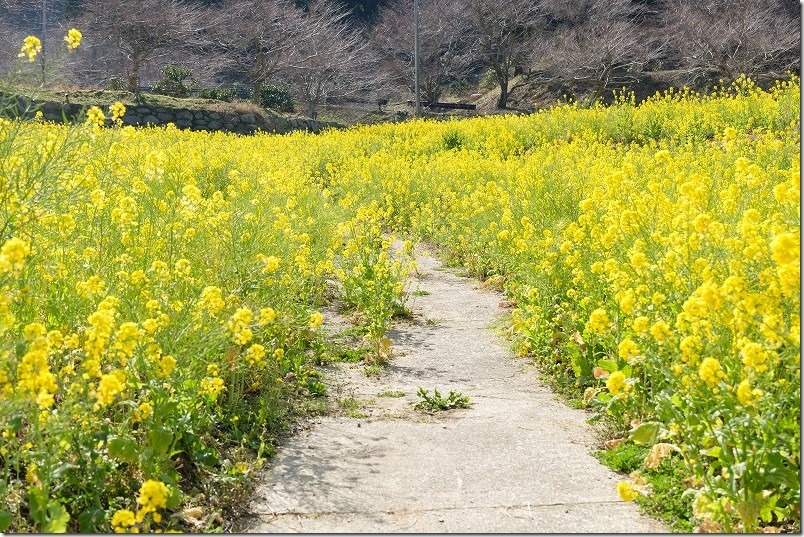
x: 352, y: 407
x: 391, y: 393
x: 436, y: 402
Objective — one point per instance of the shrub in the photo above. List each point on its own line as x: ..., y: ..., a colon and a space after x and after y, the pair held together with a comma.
x: 218, y: 94
x: 277, y: 98
x: 172, y: 82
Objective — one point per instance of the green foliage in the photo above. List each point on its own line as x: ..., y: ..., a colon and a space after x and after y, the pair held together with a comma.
x: 437, y: 402
x: 624, y: 458
x: 277, y: 98
x: 391, y: 393
x: 667, y: 499
x: 116, y: 84
x: 173, y: 80
x: 218, y: 94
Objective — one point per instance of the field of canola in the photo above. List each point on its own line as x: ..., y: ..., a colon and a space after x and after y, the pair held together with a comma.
x: 160, y: 290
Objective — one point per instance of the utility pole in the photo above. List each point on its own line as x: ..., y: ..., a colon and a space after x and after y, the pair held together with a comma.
x: 44, y: 36
x: 416, y: 104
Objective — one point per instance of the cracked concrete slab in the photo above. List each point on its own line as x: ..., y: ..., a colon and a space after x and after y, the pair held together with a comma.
x: 517, y: 461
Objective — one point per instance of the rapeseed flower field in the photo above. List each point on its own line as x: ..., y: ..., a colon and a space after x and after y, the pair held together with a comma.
x: 161, y: 291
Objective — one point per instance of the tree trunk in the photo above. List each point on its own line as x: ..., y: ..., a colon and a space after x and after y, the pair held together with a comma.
x: 309, y: 108
x: 133, y: 75
x: 257, y: 88
x: 502, y: 102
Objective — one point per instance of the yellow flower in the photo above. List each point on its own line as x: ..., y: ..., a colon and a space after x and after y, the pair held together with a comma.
x: 126, y: 339
x: 754, y: 356
x: 641, y: 324
x: 118, y: 110
x: 45, y: 399
x: 211, y: 300
x: 33, y: 331
x: 31, y: 47
x: 92, y: 286
x: 73, y: 39
x: 627, y: 349
x: 616, y: 383
x: 255, y: 354
x: 785, y: 248
x: 110, y: 385
x: 599, y: 321
x: 211, y: 386
x: 271, y: 264
x: 95, y: 116
x: 316, y: 318
x: 746, y: 395
x: 710, y: 371
x: 13, y: 254
x: 267, y: 316
x: 238, y: 323
x: 626, y: 491
x: 30, y: 474
x: 143, y: 411
x: 166, y: 365
x: 122, y: 520
x: 153, y: 495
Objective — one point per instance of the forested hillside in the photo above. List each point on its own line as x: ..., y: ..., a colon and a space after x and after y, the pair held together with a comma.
x: 522, y: 52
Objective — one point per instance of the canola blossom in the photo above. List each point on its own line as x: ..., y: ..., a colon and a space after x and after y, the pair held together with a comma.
x: 73, y: 38
x: 161, y: 290
x: 32, y: 46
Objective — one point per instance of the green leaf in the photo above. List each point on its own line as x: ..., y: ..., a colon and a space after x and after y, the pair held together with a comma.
x: 58, y: 517
x: 15, y: 423
x: 173, y: 497
x: 608, y: 365
x: 676, y: 400
x: 165, y: 409
x: 5, y: 520
x: 90, y: 520
x: 782, y: 476
x: 37, y: 505
x: 160, y: 439
x: 123, y: 448
x: 647, y: 433
x: 713, y: 452
x: 580, y: 366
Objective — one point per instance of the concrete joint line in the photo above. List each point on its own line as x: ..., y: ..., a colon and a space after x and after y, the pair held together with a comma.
x: 437, y: 509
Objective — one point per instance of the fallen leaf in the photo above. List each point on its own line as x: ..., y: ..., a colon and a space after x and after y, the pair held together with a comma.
x: 708, y: 526
x: 611, y: 444
x: 657, y: 453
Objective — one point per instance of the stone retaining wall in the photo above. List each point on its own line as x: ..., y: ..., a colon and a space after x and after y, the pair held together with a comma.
x: 197, y: 120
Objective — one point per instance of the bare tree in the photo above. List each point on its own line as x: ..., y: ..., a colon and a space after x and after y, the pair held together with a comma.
x: 443, y: 40
x: 19, y: 18
x: 504, y: 36
x: 141, y: 30
x: 331, y: 59
x: 600, y: 43
x: 725, y: 38
x: 256, y: 39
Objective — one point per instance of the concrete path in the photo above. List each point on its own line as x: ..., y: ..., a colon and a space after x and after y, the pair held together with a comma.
x: 516, y: 461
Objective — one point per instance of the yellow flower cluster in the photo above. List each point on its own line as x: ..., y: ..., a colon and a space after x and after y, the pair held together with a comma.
x: 663, y: 238
x: 95, y: 116
x: 13, y: 254
x: 73, y: 38
x: 30, y: 48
